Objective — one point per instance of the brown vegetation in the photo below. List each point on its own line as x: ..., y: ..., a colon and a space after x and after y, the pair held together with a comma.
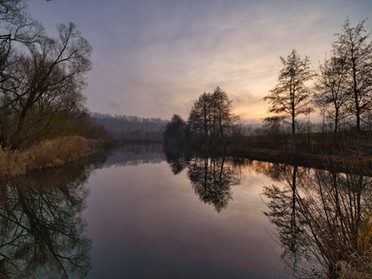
x: 46, y: 154
x: 323, y: 220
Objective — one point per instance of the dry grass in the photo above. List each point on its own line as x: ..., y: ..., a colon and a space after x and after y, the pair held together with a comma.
x: 48, y: 153
x: 347, y: 271
x: 360, y: 267
x: 365, y: 238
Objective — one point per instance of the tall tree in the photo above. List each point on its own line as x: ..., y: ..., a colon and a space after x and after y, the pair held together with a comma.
x: 354, y: 46
x: 200, y: 117
x: 40, y: 77
x: 175, y: 129
x: 221, y: 112
x: 17, y: 30
x: 15, y: 26
x: 332, y: 91
x: 291, y: 96
x: 211, y: 114
x: 53, y: 76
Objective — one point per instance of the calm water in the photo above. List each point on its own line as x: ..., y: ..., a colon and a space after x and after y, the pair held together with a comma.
x: 146, y: 222
x: 140, y: 214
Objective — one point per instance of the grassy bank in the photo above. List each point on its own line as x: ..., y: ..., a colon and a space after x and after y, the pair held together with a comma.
x: 46, y: 154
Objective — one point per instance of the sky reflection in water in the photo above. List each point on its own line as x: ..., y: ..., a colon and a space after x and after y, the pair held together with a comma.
x: 147, y: 223
x: 141, y: 221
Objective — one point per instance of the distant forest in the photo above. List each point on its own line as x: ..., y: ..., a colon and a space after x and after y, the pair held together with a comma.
x: 132, y: 128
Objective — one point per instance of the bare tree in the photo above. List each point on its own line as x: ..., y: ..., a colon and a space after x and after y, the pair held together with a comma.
x: 354, y: 47
x: 40, y: 77
x: 200, y: 118
x: 16, y: 26
x: 17, y: 30
x: 49, y: 79
x: 332, y: 91
x: 221, y: 112
x: 211, y: 115
x: 291, y: 96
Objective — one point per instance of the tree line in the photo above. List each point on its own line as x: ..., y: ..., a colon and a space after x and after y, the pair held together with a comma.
x: 131, y: 128
x: 41, y: 79
x: 118, y: 123
x: 341, y: 91
x: 210, y: 118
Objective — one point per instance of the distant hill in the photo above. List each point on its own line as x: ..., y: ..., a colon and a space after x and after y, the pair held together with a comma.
x: 131, y: 128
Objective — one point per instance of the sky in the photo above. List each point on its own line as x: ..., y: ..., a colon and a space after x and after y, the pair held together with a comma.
x: 154, y: 58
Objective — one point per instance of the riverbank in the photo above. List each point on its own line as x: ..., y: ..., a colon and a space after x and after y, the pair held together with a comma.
x: 47, y: 154
x: 340, y: 162
x: 353, y: 155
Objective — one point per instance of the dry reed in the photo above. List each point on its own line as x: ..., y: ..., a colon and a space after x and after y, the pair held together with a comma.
x: 46, y: 154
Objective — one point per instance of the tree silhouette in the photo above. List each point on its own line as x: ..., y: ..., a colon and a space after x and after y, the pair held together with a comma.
x: 200, y: 116
x: 291, y: 96
x: 211, y: 115
x: 41, y: 78
x: 332, y: 92
x: 174, y: 130
x: 354, y: 47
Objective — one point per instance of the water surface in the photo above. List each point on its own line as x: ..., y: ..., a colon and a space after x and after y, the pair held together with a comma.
x: 137, y: 213
x: 146, y: 222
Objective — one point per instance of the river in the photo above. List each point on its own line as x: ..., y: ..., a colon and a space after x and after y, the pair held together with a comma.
x: 137, y: 213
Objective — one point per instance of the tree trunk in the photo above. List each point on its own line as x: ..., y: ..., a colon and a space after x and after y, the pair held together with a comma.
x: 205, y: 120
x: 16, y: 138
x: 335, y: 130
x: 356, y: 94
x: 293, y: 131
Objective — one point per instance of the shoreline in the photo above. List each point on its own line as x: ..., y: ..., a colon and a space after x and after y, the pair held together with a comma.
x: 340, y: 163
x: 47, y: 154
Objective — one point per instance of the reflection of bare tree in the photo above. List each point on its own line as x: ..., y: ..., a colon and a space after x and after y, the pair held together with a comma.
x: 285, y: 215
x: 323, y: 221
x: 41, y: 229
x: 177, y: 161
x: 212, y: 178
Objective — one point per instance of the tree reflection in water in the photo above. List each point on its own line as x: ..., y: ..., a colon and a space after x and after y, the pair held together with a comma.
x: 42, y: 233
x: 211, y: 177
x: 323, y: 217
x: 176, y: 161
x: 323, y: 220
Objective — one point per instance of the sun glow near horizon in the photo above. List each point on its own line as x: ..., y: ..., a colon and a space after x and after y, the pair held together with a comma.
x: 155, y: 58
